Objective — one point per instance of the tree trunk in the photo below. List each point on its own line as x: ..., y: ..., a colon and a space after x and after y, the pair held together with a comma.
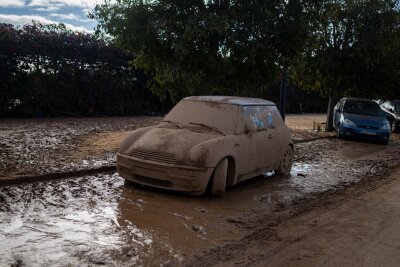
x: 329, y: 115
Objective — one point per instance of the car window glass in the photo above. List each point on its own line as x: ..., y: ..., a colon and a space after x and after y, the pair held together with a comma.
x: 369, y: 108
x: 262, y: 117
x: 220, y: 116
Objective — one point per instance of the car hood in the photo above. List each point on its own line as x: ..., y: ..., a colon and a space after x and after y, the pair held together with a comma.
x: 168, y: 145
x: 365, y: 120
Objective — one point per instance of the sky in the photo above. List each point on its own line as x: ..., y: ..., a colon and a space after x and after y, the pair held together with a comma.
x: 73, y: 13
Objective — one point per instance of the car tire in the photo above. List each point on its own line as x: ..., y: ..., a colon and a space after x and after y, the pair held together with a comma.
x: 396, y: 126
x: 385, y: 142
x: 392, y: 126
x: 285, y: 166
x: 219, y: 179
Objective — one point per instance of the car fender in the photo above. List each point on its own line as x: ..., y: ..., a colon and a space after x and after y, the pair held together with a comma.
x: 211, y: 152
x: 132, y: 137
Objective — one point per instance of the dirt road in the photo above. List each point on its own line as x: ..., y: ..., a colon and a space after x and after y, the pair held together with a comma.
x: 356, y: 227
x: 363, y: 231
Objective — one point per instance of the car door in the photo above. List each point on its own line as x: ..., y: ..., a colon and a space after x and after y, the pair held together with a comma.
x: 257, y: 144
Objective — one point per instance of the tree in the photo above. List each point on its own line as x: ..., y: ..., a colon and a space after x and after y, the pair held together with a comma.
x: 215, y: 47
x: 352, y: 49
x: 48, y: 70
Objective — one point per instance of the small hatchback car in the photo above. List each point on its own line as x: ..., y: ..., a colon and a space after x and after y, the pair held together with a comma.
x: 361, y: 118
x: 208, y: 142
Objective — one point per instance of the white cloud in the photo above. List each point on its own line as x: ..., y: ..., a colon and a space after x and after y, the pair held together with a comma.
x: 27, y: 19
x: 62, y: 3
x: 48, y: 9
x: 12, y: 3
x: 70, y: 16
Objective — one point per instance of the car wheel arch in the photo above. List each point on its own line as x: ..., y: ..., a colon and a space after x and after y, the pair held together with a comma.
x: 231, y: 174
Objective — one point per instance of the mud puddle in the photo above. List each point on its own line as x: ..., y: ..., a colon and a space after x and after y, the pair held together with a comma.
x: 98, y: 220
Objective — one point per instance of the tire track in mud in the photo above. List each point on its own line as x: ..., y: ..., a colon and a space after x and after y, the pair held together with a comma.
x: 55, y: 175
x: 231, y: 250
x: 329, y: 202
x: 374, y: 175
x: 267, y: 236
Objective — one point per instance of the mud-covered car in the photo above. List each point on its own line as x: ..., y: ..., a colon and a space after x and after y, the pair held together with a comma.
x: 208, y: 142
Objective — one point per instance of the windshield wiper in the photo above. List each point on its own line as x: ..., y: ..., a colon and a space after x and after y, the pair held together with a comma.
x: 174, y: 123
x: 207, y: 126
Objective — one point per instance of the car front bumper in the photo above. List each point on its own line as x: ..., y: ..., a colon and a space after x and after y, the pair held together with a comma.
x: 193, y: 180
x: 363, y: 133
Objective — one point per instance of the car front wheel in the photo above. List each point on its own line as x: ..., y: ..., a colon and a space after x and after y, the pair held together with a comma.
x: 219, y: 179
x: 285, y: 166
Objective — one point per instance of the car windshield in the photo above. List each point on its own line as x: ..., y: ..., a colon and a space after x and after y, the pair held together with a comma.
x: 208, y: 116
x: 363, y: 108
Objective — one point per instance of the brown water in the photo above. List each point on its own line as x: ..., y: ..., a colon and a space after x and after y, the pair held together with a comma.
x: 95, y: 220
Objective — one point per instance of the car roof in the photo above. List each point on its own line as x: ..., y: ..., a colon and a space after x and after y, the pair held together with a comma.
x: 232, y: 100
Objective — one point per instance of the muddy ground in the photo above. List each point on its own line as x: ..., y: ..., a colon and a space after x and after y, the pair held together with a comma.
x: 30, y: 147
x: 270, y: 220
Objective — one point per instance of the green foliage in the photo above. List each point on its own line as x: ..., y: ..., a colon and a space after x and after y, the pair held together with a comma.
x: 48, y: 70
x: 207, y: 47
x: 353, y: 49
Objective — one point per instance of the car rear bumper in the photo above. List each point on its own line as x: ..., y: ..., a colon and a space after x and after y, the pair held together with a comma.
x: 369, y: 134
x: 187, y: 179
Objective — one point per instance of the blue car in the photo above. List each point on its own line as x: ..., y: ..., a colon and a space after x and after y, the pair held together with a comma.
x: 361, y: 118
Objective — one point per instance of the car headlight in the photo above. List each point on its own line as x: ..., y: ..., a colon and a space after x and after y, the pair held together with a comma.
x: 349, y: 123
x: 386, y: 126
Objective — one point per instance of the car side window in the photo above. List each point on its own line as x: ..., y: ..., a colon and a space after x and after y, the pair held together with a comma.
x: 260, y: 116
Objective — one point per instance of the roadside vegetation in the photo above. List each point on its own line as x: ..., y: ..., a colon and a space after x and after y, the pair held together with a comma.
x: 241, y: 47
x: 48, y: 70
x: 147, y: 55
